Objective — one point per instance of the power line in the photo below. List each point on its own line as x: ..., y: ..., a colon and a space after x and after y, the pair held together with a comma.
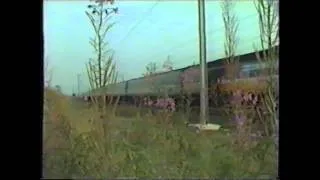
x: 180, y: 45
x: 220, y: 55
x: 240, y: 42
x: 142, y: 19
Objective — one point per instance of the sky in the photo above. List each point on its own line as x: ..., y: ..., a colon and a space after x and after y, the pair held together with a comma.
x: 145, y: 31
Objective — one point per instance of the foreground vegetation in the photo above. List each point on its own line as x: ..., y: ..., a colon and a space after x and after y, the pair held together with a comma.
x: 81, y: 142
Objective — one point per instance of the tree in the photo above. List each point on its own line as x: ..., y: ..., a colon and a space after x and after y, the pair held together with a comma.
x: 230, y: 21
x: 269, y: 39
x: 101, y: 70
x: 151, y: 68
x: 151, y: 77
x: 167, y: 64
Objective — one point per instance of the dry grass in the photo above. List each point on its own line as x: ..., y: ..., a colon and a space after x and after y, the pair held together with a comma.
x: 81, y: 142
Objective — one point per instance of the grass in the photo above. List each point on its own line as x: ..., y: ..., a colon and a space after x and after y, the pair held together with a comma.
x: 80, y: 143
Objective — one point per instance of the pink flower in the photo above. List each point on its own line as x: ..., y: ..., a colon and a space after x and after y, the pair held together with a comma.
x: 150, y: 103
x: 166, y: 103
x: 240, y: 119
x: 246, y: 97
x: 255, y: 100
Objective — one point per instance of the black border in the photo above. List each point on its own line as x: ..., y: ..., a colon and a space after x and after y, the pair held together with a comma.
x: 25, y: 39
x: 22, y: 79
x: 296, y: 84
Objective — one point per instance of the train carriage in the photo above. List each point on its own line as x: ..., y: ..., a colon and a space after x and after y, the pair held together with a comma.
x: 170, y: 83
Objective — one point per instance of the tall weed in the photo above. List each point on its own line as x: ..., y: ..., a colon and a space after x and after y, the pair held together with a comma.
x: 112, y: 146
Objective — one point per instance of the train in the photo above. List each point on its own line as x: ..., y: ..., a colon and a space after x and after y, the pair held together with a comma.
x: 174, y: 83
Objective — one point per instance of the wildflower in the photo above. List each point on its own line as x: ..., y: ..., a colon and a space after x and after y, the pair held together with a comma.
x: 150, y: 103
x: 166, y: 103
x: 247, y: 97
x: 167, y: 65
x: 255, y: 100
x: 240, y: 119
x: 170, y: 103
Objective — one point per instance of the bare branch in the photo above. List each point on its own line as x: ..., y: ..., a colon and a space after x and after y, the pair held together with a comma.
x: 231, y: 24
x: 109, y: 26
x: 89, y: 76
x: 108, y: 71
x: 92, y: 22
x: 269, y: 39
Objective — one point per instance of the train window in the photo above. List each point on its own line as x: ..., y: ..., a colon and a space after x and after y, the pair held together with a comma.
x: 252, y: 66
x: 253, y: 73
x: 250, y: 70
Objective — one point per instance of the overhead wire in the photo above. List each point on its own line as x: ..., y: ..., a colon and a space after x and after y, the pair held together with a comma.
x: 138, y: 22
x: 181, y: 45
x: 220, y: 55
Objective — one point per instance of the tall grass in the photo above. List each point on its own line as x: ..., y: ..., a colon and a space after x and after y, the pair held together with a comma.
x: 79, y: 142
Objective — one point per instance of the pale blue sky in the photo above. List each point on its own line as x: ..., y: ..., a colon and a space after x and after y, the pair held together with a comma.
x: 171, y: 28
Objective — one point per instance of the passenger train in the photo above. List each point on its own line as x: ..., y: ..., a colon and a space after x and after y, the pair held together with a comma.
x: 171, y: 83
